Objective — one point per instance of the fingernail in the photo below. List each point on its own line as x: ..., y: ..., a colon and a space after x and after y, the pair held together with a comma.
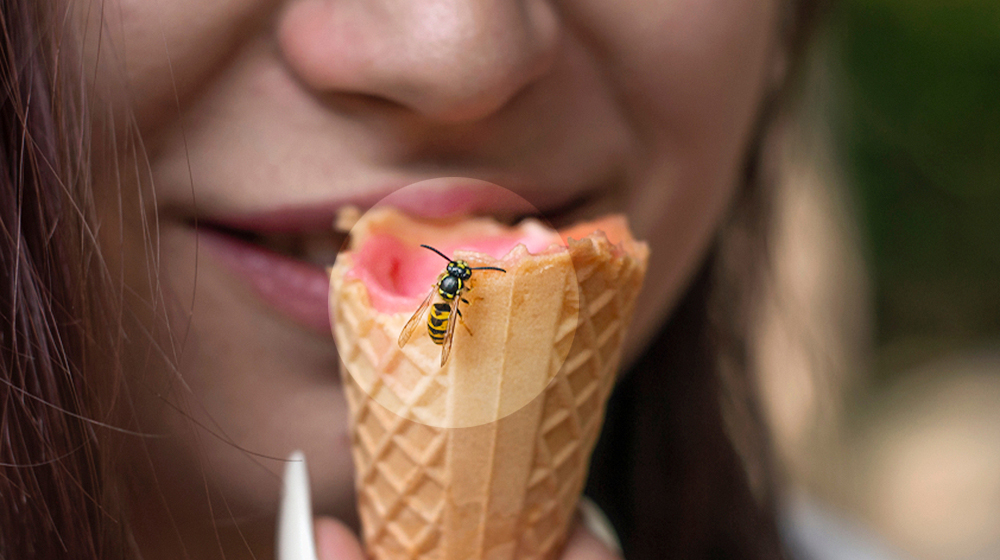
x: 295, y: 539
x: 598, y: 524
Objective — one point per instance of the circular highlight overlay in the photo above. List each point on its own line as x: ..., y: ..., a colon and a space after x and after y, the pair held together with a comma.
x: 515, y: 329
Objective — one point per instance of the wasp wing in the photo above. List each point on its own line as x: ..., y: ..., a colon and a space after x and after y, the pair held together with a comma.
x: 449, y: 334
x: 416, y: 320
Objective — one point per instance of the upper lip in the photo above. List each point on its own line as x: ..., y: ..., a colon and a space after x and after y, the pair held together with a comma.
x: 434, y: 200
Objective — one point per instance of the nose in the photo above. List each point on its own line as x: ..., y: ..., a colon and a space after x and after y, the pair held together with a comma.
x: 452, y: 60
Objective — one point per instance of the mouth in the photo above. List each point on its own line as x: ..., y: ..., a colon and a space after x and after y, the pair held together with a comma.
x: 282, y: 256
x: 317, y: 249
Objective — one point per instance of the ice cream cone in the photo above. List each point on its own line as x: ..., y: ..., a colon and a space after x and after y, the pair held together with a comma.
x: 478, y: 460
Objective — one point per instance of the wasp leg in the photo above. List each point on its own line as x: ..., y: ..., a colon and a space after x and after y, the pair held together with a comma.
x: 461, y: 320
x: 474, y: 298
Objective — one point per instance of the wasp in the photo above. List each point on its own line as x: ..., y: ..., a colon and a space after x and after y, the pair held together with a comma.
x: 451, y: 284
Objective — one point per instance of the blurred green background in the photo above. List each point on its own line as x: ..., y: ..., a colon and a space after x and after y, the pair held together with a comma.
x: 920, y: 133
x: 914, y: 91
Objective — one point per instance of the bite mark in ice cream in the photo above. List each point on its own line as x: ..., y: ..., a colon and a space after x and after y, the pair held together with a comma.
x: 398, y: 273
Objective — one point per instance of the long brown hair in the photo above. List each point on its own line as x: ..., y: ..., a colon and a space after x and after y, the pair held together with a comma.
x: 667, y: 470
x: 55, y: 318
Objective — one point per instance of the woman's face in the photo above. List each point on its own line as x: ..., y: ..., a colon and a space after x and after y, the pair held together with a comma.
x: 258, y: 119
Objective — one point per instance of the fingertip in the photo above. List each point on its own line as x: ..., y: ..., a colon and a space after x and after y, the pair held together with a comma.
x: 334, y: 541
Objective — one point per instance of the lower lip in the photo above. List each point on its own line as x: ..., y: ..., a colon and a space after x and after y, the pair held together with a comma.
x: 295, y: 289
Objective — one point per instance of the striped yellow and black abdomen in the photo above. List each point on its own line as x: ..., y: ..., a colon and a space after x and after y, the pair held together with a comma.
x: 437, y: 321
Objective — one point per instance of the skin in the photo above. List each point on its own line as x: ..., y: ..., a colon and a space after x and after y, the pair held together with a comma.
x: 247, y: 106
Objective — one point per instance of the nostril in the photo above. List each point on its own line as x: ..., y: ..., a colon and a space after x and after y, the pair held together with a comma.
x: 451, y: 60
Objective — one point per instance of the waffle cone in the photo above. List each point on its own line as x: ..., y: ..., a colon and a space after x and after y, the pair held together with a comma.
x: 486, y: 457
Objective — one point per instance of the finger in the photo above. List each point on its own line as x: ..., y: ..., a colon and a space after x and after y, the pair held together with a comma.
x: 334, y: 541
x: 583, y: 545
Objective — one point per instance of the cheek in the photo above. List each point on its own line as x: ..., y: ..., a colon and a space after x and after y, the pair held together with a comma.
x: 692, y: 75
x: 689, y: 72
x: 146, y: 57
x: 697, y: 73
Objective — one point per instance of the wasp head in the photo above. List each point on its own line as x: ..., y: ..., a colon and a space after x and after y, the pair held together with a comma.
x: 459, y: 269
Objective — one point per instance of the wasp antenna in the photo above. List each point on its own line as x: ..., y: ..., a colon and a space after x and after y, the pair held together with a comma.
x: 488, y: 268
x: 444, y: 256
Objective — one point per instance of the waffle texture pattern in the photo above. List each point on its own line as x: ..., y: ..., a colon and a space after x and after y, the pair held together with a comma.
x: 506, y: 489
